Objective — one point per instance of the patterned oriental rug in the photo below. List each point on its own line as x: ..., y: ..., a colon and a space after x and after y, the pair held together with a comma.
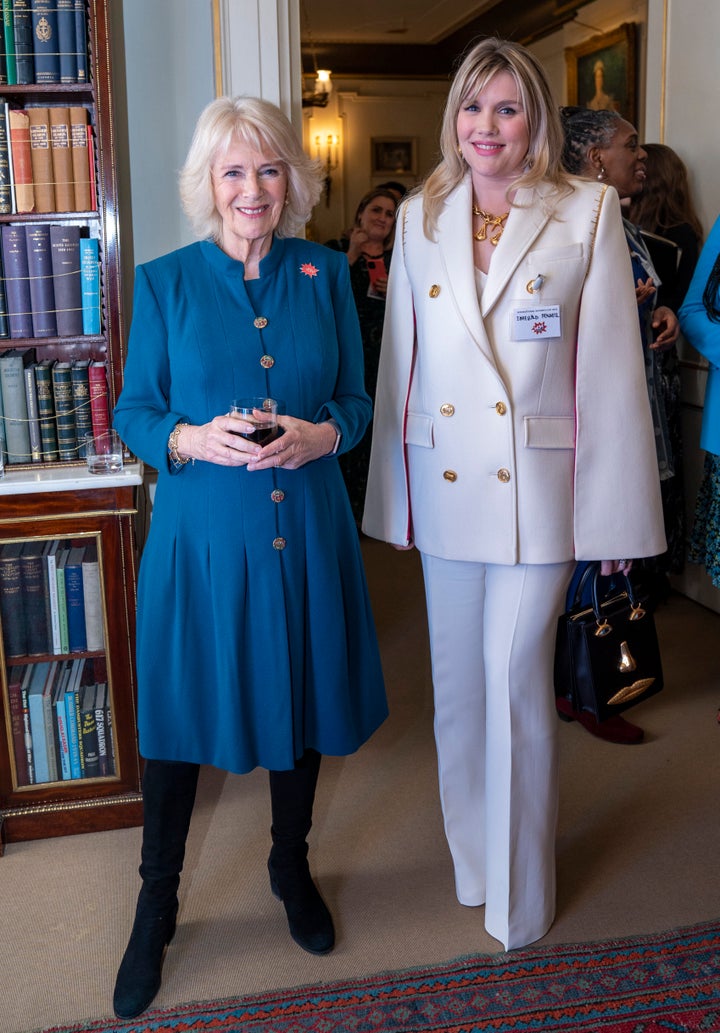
x: 655, y: 984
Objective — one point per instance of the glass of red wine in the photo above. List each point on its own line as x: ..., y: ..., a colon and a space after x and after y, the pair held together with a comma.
x: 259, y: 416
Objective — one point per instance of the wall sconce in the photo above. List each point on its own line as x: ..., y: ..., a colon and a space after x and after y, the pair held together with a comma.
x: 319, y: 96
x: 330, y: 159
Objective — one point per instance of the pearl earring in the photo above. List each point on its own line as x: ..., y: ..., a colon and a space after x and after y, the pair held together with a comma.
x: 601, y: 174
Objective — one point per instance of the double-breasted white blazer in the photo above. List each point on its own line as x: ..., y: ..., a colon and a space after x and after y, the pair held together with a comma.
x: 494, y: 449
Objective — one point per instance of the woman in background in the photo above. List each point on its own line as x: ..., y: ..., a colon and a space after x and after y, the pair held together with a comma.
x: 700, y: 322
x: 665, y: 207
x: 368, y: 248
x: 604, y: 147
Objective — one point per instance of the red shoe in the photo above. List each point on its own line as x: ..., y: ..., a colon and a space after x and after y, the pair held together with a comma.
x: 612, y: 729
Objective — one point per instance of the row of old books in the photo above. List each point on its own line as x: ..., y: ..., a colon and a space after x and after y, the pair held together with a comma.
x: 50, y: 598
x: 47, y: 160
x: 48, y: 407
x: 43, y: 41
x: 61, y: 722
x: 49, y: 281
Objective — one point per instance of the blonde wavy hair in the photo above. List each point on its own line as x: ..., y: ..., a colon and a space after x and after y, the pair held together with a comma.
x: 263, y: 127
x: 543, y: 161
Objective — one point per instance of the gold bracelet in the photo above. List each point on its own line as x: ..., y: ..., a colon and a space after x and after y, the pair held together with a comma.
x: 172, y: 446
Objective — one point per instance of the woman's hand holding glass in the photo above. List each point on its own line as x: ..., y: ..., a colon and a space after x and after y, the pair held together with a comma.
x: 220, y: 442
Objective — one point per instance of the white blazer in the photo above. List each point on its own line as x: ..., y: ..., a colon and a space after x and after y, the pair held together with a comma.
x: 497, y: 450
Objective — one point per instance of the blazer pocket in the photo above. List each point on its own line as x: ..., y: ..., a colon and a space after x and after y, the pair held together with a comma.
x: 419, y: 430
x: 554, y: 254
x: 549, y: 431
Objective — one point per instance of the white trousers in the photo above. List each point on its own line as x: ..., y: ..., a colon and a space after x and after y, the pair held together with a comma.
x: 492, y: 637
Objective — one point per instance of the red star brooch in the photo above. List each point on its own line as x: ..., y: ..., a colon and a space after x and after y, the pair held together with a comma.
x: 309, y: 269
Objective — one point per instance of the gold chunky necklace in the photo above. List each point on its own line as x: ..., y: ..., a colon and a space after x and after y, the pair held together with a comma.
x: 490, y: 221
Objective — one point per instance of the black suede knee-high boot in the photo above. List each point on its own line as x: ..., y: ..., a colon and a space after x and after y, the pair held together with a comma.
x: 168, y: 798
x: 292, y: 794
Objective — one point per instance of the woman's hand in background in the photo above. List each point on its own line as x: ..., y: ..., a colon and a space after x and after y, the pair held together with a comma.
x: 666, y: 328
x: 644, y: 291
x: 301, y: 443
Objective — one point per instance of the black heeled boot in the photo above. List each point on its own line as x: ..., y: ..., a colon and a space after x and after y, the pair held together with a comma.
x: 292, y: 794
x: 168, y: 799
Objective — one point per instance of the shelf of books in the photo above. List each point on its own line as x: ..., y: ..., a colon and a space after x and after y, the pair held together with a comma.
x: 68, y: 750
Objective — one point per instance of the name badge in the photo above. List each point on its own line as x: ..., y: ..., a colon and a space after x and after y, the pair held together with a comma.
x: 536, y: 324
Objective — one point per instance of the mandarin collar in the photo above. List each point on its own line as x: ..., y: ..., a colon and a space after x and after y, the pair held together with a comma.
x: 221, y: 261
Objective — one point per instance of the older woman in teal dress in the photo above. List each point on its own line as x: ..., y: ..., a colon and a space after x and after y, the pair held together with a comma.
x: 256, y: 644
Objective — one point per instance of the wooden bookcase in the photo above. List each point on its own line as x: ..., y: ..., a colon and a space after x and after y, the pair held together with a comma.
x: 50, y: 501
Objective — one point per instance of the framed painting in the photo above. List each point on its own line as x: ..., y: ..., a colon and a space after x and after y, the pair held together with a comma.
x: 602, y: 72
x: 393, y: 155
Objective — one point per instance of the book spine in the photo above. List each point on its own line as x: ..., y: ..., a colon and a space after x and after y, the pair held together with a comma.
x: 64, y: 417
x: 3, y: 57
x: 46, y: 51
x: 62, y: 611
x: 51, y: 561
x: 41, y: 159
x: 26, y: 726
x: 90, y: 282
x: 62, y: 158
x: 66, y: 37
x: 89, y: 732
x: 77, y: 640
x: 33, y: 414
x: 21, y: 160
x: 46, y: 412
x: 34, y: 594
x: 5, y: 185
x: 37, y: 722
x: 42, y: 294
x: 4, y: 324
x: 22, y: 26
x: 103, y: 766
x: 51, y: 744
x: 17, y: 282
x: 80, y: 157
x: 11, y: 604
x: 15, y: 679
x: 81, y: 46
x: 65, y: 254
x: 63, y: 743
x: 91, y: 163
x: 92, y: 597
x: 81, y: 405
x: 99, y: 406
x: 9, y: 34
x: 12, y: 386
x: 72, y: 732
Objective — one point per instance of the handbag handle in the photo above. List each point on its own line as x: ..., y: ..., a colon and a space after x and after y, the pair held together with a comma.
x: 603, y: 625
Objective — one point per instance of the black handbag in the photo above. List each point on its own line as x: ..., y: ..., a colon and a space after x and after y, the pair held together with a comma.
x: 607, y: 656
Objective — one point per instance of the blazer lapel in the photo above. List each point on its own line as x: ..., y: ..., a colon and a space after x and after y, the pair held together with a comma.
x: 455, y: 243
x: 526, y: 221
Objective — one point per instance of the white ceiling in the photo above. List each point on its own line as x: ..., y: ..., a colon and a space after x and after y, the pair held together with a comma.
x: 385, y: 21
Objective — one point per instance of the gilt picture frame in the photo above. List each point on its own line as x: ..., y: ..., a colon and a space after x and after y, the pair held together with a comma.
x: 393, y: 155
x: 602, y: 72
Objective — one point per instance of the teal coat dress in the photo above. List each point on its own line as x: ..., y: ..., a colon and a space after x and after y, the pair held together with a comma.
x: 255, y: 635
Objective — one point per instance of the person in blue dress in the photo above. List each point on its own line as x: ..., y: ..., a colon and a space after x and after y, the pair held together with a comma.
x: 700, y: 322
x: 255, y: 644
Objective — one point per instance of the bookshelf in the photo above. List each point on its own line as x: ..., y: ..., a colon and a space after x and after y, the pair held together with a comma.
x: 49, y: 505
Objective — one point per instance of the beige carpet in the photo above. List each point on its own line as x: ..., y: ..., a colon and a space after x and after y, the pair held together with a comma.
x: 638, y: 846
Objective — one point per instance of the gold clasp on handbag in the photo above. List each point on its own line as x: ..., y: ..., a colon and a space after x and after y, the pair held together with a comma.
x: 636, y: 613
x: 603, y: 628
x: 627, y: 660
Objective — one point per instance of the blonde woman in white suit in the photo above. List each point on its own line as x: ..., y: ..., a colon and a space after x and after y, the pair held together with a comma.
x: 512, y: 437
